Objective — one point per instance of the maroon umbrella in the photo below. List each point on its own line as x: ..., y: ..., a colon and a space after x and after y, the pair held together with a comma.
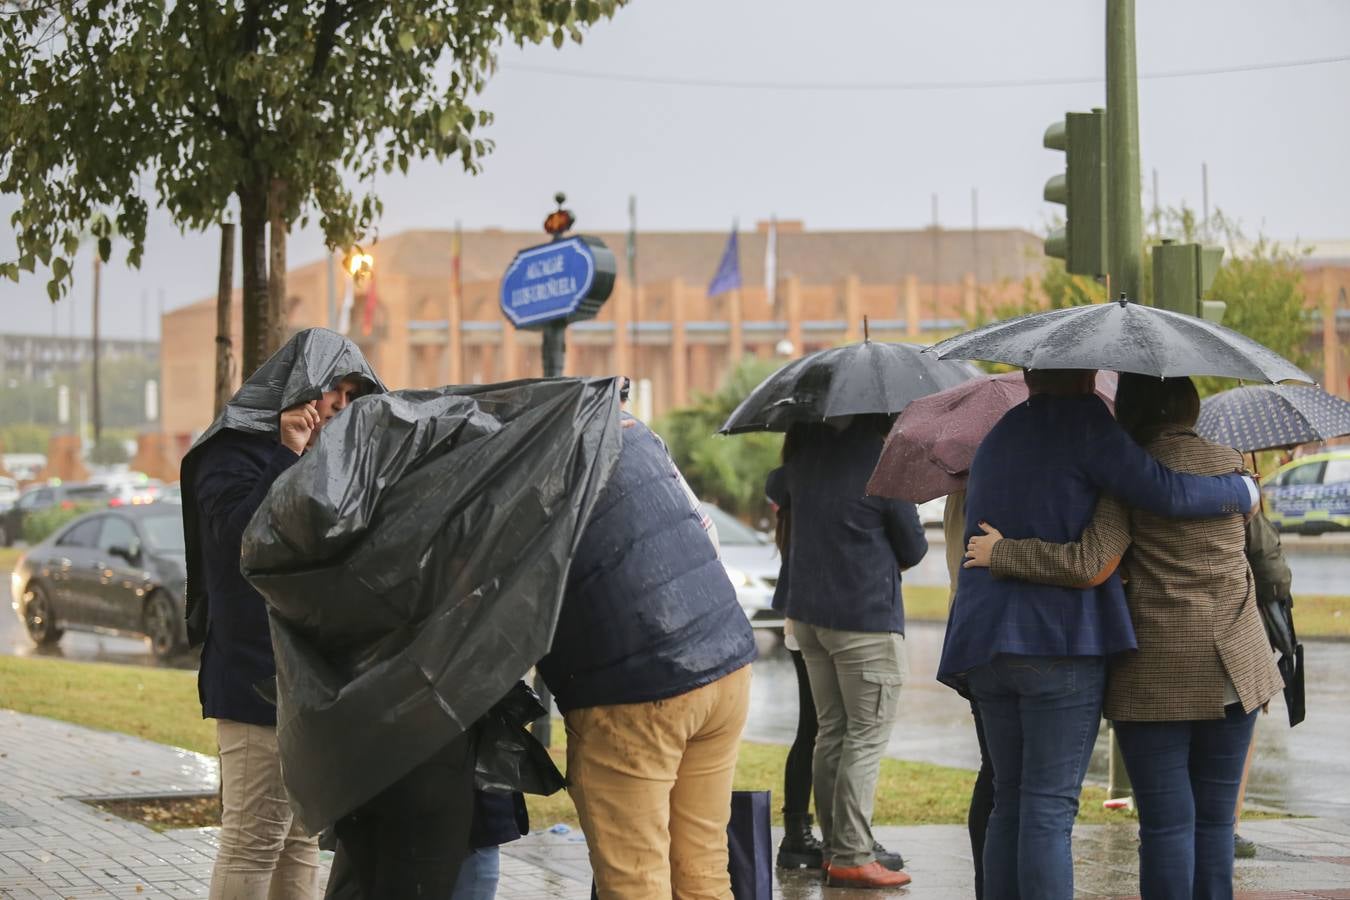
x: 929, y: 449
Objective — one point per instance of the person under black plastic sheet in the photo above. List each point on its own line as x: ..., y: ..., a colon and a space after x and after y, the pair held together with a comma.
x: 270, y: 422
x: 413, y: 565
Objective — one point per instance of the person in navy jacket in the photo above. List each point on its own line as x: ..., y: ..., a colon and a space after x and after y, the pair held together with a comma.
x: 650, y: 666
x: 263, y: 852
x: 844, y: 606
x: 1034, y: 656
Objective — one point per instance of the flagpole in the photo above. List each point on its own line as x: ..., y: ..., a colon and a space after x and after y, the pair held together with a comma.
x: 454, y: 359
x: 633, y: 337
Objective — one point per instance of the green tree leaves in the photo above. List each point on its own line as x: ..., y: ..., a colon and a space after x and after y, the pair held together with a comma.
x: 113, y: 105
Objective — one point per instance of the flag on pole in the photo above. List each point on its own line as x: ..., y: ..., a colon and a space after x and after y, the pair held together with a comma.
x: 632, y: 239
x: 728, y: 276
x: 771, y: 262
x: 456, y: 275
x: 344, y: 322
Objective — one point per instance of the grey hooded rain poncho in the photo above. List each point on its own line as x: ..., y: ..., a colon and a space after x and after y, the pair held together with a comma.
x: 311, y: 362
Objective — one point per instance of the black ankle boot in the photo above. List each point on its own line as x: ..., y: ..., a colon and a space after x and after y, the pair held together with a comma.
x: 799, y: 849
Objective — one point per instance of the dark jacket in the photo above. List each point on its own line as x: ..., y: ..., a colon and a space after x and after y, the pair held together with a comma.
x: 498, y: 818
x: 648, y: 612
x: 846, y: 550
x: 233, y: 476
x: 1038, y: 474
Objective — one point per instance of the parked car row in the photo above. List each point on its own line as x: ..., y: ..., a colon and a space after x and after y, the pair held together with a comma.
x: 113, y: 491
x: 118, y: 570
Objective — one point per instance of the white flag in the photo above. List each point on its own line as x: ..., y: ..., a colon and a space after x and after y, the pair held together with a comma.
x: 771, y: 262
x: 344, y: 322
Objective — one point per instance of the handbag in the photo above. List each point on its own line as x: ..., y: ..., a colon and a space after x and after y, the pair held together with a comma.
x: 1277, y: 615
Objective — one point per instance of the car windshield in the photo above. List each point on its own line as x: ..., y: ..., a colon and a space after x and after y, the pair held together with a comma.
x: 731, y: 530
x: 1338, y: 470
x: 163, y: 533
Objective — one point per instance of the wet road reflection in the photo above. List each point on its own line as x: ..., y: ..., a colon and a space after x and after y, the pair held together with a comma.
x: 1303, y: 770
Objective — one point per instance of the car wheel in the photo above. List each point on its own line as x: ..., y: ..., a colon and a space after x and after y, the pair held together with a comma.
x: 163, y: 625
x: 39, y: 617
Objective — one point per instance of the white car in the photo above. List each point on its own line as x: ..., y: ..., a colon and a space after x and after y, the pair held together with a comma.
x: 751, y: 561
x: 9, y: 493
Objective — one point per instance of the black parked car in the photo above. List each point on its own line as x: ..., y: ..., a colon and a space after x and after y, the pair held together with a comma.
x: 119, y: 571
x: 43, y: 497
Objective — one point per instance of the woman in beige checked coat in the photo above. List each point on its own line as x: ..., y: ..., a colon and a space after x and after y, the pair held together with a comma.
x: 1184, y: 704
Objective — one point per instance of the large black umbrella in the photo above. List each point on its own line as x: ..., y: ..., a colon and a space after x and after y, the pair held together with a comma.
x: 1124, y: 337
x: 868, y: 377
x: 1268, y: 416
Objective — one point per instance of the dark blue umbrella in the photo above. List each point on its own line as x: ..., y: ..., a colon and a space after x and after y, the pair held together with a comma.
x: 1268, y: 416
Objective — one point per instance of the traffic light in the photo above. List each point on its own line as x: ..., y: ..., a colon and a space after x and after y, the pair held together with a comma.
x: 1081, y: 243
x: 1182, y: 275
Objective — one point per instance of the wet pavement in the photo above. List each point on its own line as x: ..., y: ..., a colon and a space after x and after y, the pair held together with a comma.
x: 52, y: 845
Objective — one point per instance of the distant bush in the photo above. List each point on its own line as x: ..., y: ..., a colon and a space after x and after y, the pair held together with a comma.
x: 36, y: 526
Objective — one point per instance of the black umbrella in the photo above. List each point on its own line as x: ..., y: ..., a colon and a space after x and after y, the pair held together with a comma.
x: 869, y: 377
x: 1269, y: 416
x: 1123, y: 337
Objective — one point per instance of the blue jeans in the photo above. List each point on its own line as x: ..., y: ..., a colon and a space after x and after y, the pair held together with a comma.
x: 1040, y: 717
x: 1185, y: 777
x: 478, y: 875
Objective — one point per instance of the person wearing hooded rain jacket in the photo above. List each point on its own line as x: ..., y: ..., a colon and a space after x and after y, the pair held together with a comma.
x: 277, y: 413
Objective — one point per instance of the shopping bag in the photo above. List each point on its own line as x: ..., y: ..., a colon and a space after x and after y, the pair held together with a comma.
x: 750, y: 846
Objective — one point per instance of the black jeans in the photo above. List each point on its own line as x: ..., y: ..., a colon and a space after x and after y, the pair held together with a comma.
x: 981, y: 804
x: 797, y: 771
x: 410, y: 840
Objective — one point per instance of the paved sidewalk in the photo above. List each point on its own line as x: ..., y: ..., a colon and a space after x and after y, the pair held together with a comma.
x: 52, y: 845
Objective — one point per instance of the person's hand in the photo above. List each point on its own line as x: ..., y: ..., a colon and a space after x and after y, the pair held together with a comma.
x: 980, y: 550
x: 298, y: 425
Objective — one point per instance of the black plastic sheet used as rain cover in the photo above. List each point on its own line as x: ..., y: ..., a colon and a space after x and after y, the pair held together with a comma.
x: 413, y: 564
x: 311, y: 362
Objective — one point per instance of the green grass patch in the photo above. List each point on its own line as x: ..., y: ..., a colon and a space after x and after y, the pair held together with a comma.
x: 159, y: 705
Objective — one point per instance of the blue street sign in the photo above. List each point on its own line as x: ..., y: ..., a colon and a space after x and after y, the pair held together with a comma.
x: 568, y: 279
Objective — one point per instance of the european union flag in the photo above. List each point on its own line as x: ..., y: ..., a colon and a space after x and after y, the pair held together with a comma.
x: 728, y: 277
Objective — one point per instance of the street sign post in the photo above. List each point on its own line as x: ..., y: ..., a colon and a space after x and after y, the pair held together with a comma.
x: 550, y: 285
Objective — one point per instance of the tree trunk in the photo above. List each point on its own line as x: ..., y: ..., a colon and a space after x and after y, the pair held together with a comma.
x: 276, y: 266
x: 224, y: 296
x: 256, y: 305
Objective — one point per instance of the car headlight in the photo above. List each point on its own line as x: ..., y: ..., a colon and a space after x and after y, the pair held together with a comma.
x: 738, y: 578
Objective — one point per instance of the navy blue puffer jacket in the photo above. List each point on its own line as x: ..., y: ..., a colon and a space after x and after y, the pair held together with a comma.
x: 648, y: 612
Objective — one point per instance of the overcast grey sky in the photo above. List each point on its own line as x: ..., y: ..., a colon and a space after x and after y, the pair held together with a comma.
x: 1277, y: 141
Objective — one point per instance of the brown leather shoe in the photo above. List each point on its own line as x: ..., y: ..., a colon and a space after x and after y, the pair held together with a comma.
x: 872, y: 875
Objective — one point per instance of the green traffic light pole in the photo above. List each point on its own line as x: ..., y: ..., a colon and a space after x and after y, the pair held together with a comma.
x: 1125, y: 229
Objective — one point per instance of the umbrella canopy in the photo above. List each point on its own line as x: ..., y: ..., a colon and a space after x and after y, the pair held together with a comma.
x: 1269, y: 416
x: 1124, y: 337
x: 856, y: 379
x: 931, y: 445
